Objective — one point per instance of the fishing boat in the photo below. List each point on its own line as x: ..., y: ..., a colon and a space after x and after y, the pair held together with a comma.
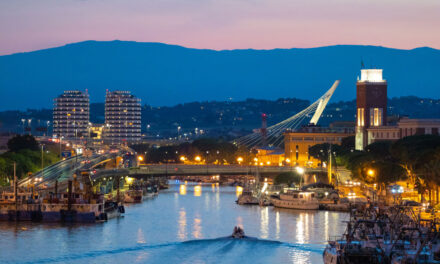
x: 247, y: 198
x: 26, y: 207
x: 113, y: 210
x: 294, y: 199
x: 133, y: 196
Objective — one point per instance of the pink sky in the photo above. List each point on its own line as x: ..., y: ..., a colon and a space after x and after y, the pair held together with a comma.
x: 27, y: 25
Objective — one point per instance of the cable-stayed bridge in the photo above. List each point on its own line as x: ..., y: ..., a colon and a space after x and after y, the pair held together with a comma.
x: 273, y: 136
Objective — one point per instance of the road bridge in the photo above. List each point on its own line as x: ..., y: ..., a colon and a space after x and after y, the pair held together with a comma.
x: 161, y: 170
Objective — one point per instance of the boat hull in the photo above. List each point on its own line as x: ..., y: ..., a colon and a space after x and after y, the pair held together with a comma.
x: 291, y: 204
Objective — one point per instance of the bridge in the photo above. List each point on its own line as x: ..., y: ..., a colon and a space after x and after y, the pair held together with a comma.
x: 161, y: 170
x: 64, y: 170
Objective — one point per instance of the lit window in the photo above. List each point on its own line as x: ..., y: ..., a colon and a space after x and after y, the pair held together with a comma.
x: 360, y: 116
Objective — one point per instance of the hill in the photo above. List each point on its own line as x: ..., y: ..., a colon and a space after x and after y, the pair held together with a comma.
x: 163, y: 74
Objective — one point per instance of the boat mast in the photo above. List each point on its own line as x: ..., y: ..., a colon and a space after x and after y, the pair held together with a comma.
x: 329, y: 167
x: 15, y: 192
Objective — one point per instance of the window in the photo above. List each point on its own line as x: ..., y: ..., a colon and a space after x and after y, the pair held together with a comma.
x: 376, y: 116
x: 360, y: 116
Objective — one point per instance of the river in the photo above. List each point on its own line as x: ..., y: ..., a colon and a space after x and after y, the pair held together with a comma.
x: 184, y: 224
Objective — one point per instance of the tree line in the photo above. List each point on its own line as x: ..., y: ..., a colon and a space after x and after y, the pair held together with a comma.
x: 25, y: 152
x: 415, y: 159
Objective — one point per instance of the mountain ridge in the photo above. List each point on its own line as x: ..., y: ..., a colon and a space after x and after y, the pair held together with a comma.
x: 166, y: 74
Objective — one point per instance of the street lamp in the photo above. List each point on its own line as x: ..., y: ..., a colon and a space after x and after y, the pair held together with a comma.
x: 240, y: 160
x: 371, y: 172
x: 300, y: 170
x: 198, y: 158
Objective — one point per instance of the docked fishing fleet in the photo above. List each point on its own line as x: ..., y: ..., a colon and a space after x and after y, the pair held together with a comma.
x: 78, y: 203
x: 392, y: 235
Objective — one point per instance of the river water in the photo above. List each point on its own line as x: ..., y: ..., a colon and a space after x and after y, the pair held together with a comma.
x: 184, y: 224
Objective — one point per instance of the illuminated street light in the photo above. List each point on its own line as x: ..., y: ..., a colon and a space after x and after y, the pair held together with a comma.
x: 140, y: 158
x: 198, y: 158
x: 371, y: 172
x: 182, y: 158
x: 287, y: 160
x: 240, y: 160
x: 300, y: 170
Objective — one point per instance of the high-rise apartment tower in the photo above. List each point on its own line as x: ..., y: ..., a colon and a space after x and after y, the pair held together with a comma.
x: 122, y: 117
x: 71, y: 114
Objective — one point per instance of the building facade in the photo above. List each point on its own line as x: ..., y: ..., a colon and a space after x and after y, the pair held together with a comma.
x: 297, y: 143
x: 405, y: 127
x: 122, y: 117
x: 71, y: 115
x: 371, y: 102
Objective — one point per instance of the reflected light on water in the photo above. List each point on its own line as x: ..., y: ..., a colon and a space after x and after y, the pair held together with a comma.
x: 197, y: 190
x: 197, y: 227
x: 300, y: 228
x: 181, y: 234
x: 238, y: 191
x: 326, y: 225
x: 140, y: 237
x: 264, y: 220
x: 182, y: 190
x: 277, y: 225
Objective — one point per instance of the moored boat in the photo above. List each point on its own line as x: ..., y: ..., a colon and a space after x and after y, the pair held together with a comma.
x: 296, y: 200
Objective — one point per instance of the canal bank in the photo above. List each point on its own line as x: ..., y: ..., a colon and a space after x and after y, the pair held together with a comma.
x: 182, y: 223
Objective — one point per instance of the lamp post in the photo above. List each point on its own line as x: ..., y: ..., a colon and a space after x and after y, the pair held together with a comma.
x: 42, y: 160
x: 22, y: 121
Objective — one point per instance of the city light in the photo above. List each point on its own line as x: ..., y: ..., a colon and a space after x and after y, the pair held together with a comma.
x: 140, y: 158
x: 198, y: 158
x: 182, y: 158
x: 240, y: 160
x: 287, y: 160
x: 300, y: 170
x: 370, y: 172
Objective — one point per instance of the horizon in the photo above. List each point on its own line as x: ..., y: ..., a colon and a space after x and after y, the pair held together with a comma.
x: 220, y: 24
x: 218, y: 50
x: 226, y: 101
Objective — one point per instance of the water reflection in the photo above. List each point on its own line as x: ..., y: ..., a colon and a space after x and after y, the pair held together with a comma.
x: 264, y: 220
x: 300, y: 228
x: 198, y: 190
x: 277, y: 225
x: 140, y: 236
x: 182, y: 189
x: 197, y: 227
x: 238, y: 191
x: 181, y: 234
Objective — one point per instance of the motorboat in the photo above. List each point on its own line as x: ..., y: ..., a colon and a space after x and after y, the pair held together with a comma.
x: 295, y: 199
x: 238, y: 233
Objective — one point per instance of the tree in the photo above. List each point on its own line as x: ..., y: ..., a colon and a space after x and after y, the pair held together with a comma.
x: 288, y: 178
x: 20, y: 142
x: 321, y: 151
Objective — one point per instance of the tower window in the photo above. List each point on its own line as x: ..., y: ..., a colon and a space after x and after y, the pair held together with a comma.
x: 376, y: 116
x: 360, y: 117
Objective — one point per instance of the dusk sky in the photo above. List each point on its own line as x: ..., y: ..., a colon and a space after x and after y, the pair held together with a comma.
x: 27, y: 25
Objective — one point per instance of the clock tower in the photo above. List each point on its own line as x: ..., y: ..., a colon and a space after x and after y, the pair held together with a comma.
x: 371, y: 101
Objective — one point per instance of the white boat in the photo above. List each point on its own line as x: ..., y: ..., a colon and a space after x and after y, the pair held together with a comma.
x: 296, y: 200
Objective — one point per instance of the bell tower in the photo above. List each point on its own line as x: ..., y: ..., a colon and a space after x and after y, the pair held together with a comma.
x: 371, y: 102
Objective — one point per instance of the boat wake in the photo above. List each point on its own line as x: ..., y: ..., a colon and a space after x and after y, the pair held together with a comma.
x: 217, y: 250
